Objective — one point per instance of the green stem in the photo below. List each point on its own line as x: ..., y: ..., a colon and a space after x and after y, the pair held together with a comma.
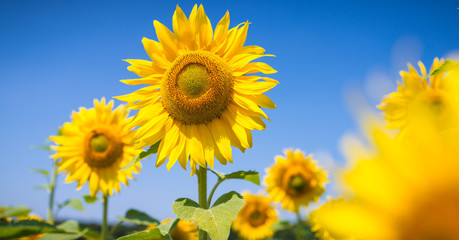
x: 52, y: 188
x: 112, y: 231
x: 212, y: 192
x: 202, y: 187
x: 299, y: 226
x: 104, y: 221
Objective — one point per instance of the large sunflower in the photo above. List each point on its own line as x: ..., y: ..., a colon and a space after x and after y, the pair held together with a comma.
x: 95, y: 146
x: 255, y: 219
x: 419, y: 96
x: 402, y: 190
x: 295, y: 180
x: 199, y: 99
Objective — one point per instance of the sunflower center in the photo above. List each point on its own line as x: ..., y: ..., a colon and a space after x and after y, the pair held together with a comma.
x: 197, y: 87
x: 297, y: 183
x: 432, y: 217
x: 193, y: 80
x: 257, y: 218
x: 99, y: 143
x: 102, y: 149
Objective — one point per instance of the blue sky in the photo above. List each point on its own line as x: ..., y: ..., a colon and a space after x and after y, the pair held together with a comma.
x: 59, y: 55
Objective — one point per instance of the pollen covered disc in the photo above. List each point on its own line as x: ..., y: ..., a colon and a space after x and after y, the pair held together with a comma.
x: 197, y: 87
x: 102, y: 149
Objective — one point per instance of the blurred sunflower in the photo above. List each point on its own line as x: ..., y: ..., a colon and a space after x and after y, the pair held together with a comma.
x: 31, y: 216
x: 184, y: 230
x: 295, y: 180
x: 400, y: 191
x: 255, y: 219
x: 322, y: 232
x: 419, y: 96
x: 199, y: 100
x: 95, y: 146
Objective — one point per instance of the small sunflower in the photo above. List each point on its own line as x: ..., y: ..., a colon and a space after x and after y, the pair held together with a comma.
x: 31, y: 216
x: 256, y: 217
x: 184, y: 230
x: 199, y: 99
x: 418, y: 96
x: 95, y: 146
x: 295, y: 180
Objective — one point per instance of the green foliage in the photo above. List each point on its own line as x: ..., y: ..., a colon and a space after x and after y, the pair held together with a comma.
x: 138, y: 217
x: 26, y: 228
x: 41, y: 171
x: 42, y: 186
x: 448, y: 65
x: 166, y: 228
x: 153, y: 234
x: 217, y: 220
x: 251, y: 176
x: 89, y: 199
x: 74, y: 203
x: 152, y: 150
x: 20, y: 211
x: 72, y: 231
x: 281, y: 226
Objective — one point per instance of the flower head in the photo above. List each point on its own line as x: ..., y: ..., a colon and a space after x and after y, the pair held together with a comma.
x: 402, y: 190
x: 95, y: 146
x: 421, y: 97
x: 255, y: 219
x: 295, y: 180
x: 199, y: 99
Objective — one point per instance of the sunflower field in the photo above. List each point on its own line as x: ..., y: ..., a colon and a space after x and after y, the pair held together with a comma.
x: 234, y: 120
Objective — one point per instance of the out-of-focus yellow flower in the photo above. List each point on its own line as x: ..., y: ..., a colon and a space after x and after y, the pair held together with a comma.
x: 95, y: 146
x: 322, y: 232
x: 32, y: 216
x: 295, y: 180
x: 403, y: 190
x: 255, y: 219
x: 199, y: 99
x: 433, y: 99
x: 184, y: 230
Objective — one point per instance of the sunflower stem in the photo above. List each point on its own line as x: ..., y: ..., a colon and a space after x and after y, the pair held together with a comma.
x: 104, y: 220
x: 202, y: 188
x: 299, y: 226
x: 52, y: 188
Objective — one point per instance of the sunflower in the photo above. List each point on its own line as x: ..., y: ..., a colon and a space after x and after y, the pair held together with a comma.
x: 256, y: 217
x: 295, y: 180
x: 184, y: 230
x: 95, y: 146
x: 201, y: 96
x: 400, y: 191
x: 418, y: 96
x: 322, y: 232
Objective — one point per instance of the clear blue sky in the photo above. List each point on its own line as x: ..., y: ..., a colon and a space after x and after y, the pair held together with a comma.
x: 59, y: 55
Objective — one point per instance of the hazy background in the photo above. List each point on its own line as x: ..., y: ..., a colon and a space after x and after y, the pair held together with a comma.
x: 56, y: 56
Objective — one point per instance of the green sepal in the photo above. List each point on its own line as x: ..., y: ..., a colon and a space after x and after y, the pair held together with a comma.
x: 448, y: 65
x: 152, y: 150
x: 89, y: 199
x: 217, y: 220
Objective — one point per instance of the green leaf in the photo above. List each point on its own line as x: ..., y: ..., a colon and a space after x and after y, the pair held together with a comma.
x: 89, y: 199
x: 43, y: 147
x: 74, y: 203
x: 62, y: 236
x: 42, y: 171
x: 152, y: 150
x: 69, y: 226
x: 251, y: 176
x: 42, y: 186
x: 153, y: 234
x: 448, y: 65
x: 138, y: 217
x: 20, y: 211
x: 217, y: 220
x: 26, y: 228
x: 166, y: 228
